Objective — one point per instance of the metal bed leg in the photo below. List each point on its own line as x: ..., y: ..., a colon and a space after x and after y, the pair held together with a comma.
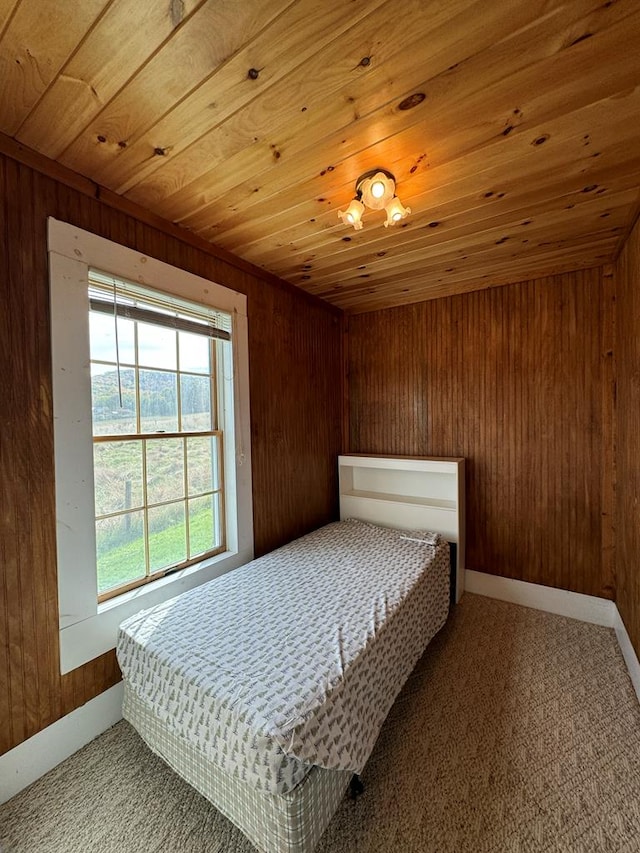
x: 356, y: 788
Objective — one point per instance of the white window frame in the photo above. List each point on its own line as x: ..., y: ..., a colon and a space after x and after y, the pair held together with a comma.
x: 88, y: 629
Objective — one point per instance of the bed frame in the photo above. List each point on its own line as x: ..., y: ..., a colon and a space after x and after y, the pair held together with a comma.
x: 401, y: 492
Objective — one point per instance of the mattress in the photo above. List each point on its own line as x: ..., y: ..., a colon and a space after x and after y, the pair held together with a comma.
x: 294, y: 659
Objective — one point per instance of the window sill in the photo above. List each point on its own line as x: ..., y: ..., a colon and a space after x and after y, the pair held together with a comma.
x: 168, y: 580
x: 89, y: 638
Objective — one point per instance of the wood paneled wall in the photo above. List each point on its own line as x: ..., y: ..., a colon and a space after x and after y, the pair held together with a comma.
x: 518, y: 380
x: 295, y: 375
x: 627, y: 276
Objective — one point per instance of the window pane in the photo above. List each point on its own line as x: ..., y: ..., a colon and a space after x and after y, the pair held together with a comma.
x: 165, y: 469
x: 120, y: 550
x: 109, y: 417
x: 158, y: 401
x: 102, y: 335
x: 194, y: 353
x: 117, y: 467
x: 167, y: 536
x: 201, y: 526
x: 156, y: 346
x: 195, y: 399
x: 202, y: 465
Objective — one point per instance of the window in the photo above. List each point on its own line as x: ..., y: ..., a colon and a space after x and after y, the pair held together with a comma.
x: 157, y: 445
x: 151, y: 434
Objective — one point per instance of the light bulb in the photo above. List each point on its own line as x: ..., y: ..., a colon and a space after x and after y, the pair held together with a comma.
x: 377, y: 189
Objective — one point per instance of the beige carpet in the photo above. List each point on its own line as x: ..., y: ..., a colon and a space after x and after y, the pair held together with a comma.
x: 518, y: 732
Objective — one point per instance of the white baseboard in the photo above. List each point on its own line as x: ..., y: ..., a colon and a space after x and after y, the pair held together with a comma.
x: 587, y: 608
x: 36, y: 756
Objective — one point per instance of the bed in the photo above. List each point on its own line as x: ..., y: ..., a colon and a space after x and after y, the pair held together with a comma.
x: 266, y: 688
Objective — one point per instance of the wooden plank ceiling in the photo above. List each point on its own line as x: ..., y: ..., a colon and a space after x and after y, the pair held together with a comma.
x: 249, y: 123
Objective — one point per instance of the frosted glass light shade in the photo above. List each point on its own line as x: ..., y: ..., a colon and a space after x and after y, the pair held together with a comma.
x: 396, y: 211
x: 353, y: 214
x: 377, y: 191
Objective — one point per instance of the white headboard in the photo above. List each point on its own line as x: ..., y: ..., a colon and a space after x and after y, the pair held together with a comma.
x: 411, y: 493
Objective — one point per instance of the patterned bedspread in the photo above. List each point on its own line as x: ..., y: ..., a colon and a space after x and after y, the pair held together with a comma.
x: 295, y: 658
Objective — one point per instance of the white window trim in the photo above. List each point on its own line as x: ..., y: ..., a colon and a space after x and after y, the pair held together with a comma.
x: 87, y: 629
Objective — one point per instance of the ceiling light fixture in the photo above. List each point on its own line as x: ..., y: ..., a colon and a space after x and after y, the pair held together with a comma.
x: 376, y: 190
